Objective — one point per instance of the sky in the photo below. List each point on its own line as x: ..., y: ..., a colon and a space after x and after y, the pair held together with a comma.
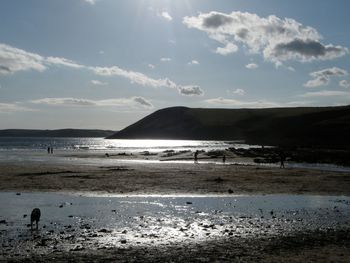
x: 105, y: 64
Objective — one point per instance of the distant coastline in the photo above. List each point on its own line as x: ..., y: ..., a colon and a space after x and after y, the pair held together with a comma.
x: 315, y: 127
x: 55, y: 133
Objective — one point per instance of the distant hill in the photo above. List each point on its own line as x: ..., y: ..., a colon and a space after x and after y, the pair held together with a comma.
x: 55, y: 133
x: 304, y: 126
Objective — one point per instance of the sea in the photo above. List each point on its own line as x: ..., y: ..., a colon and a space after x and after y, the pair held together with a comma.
x: 117, y: 145
x: 34, y: 149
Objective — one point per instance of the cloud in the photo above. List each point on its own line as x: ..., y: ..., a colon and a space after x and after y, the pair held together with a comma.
x: 305, y: 50
x: 193, y: 62
x: 244, y: 104
x: 13, y: 60
x: 143, y: 102
x: 63, y: 62
x: 98, y: 83
x: 344, y: 83
x: 91, y: 2
x: 78, y: 102
x: 323, y: 77
x: 165, y: 59
x: 240, y: 92
x: 64, y: 101
x: 134, y: 77
x: 151, y: 66
x: 228, y: 49
x: 190, y: 90
x: 326, y: 93
x: 12, y: 107
x: 166, y: 16
x: 276, y: 39
x: 252, y: 66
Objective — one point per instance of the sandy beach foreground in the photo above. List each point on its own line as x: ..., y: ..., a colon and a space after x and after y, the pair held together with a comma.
x: 312, y: 244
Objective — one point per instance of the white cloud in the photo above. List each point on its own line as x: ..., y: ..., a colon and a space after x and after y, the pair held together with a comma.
x: 323, y: 77
x: 326, y: 93
x: 252, y: 66
x: 344, y: 83
x: 166, y: 16
x: 134, y: 77
x: 274, y: 38
x: 91, y: 2
x: 13, y: 60
x: 151, y: 66
x: 12, y: 107
x: 98, y: 83
x: 244, y: 104
x: 63, y: 62
x: 78, y: 102
x: 193, y: 62
x: 165, y: 59
x: 190, y: 90
x: 240, y: 92
x: 228, y: 49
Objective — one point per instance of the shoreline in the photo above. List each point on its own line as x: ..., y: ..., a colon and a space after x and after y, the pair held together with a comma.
x: 80, y: 240
x: 171, y: 179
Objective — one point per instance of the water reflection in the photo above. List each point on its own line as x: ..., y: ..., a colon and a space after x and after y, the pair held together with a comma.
x: 71, y: 222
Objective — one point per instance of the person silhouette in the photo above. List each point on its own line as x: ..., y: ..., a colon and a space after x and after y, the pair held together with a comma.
x: 282, y: 159
x: 224, y: 158
x: 196, y: 156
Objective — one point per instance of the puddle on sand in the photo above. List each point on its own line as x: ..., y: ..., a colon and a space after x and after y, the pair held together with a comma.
x: 71, y: 222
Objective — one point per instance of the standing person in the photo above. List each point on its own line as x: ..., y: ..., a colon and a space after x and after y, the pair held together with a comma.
x: 51, y: 150
x: 224, y: 158
x: 196, y: 156
x: 282, y: 159
x: 48, y: 149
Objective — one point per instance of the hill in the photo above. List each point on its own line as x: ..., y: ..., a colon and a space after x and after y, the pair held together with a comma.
x: 55, y: 133
x: 303, y: 126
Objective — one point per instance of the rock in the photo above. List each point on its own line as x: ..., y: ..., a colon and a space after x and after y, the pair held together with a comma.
x: 123, y: 241
x: 230, y: 191
x: 189, y: 203
x: 18, y: 193
x: 103, y: 230
x: 3, y: 222
x: 25, y: 215
x: 124, y: 232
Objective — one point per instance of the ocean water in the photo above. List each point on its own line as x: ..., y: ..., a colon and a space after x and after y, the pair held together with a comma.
x: 23, y: 149
x: 101, y: 144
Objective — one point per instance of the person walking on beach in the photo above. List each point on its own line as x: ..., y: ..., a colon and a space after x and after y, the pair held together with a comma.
x: 48, y: 150
x: 196, y: 156
x: 51, y: 150
x: 224, y: 158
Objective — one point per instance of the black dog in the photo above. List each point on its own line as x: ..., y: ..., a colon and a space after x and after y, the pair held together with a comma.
x: 35, y: 216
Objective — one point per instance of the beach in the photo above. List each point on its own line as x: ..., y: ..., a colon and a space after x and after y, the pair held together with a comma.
x: 174, y: 226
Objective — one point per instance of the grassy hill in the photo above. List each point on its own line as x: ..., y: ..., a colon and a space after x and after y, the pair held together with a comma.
x: 304, y: 126
x: 55, y: 133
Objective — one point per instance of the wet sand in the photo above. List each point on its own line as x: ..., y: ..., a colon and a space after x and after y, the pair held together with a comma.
x: 171, y: 178
x: 136, y: 178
